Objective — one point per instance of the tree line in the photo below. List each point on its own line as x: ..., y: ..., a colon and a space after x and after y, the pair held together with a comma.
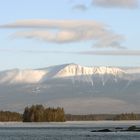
x: 6, y: 116
x: 89, y: 117
x: 127, y: 116
x: 100, y: 117
x: 39, y: 113
x: 35, y: 113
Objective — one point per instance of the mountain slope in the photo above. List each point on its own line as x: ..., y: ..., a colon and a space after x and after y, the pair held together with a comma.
x: 74, y: 87
x: 60, y: 71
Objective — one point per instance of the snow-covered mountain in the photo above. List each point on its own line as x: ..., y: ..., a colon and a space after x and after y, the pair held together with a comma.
x: 74, y: 87
x: 60, y: 71
x: 69, y: 70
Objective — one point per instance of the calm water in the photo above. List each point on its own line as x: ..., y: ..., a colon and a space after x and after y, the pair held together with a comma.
x: 66, y: 131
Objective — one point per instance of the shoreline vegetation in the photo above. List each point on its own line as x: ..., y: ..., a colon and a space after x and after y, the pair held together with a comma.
x: 103, y: 117
x: 35, y: 113
x: 38, y: 113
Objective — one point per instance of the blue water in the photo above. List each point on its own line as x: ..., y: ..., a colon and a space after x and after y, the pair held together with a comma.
x: 65, y: 131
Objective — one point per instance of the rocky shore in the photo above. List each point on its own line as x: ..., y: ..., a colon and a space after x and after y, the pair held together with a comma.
x: 119, y: 129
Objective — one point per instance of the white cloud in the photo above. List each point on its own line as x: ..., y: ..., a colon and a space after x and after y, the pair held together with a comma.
x: 68, y: 31
x: 80, y: 7
x: 116, y: 3
x: 112, y: 52
x: 55, y: 37
x: 52, y: 24
x: 120, y: 52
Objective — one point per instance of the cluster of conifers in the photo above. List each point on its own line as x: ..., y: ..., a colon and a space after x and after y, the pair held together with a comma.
x: 38, y: 113
x: 35, y: 113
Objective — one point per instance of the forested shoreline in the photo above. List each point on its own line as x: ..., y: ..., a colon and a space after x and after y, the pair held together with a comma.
x: 6, y: 116
x: 35, y: 113
x: 101, y: 117
x: 39, y: 113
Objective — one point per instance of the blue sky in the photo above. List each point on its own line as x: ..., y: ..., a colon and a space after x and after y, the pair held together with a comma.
x: 114, y: 28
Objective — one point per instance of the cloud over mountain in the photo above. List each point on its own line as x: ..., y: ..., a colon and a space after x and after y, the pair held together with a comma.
x: 68, y: 31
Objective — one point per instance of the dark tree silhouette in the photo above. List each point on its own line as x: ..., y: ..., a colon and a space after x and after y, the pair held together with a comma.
x: 37, y: 113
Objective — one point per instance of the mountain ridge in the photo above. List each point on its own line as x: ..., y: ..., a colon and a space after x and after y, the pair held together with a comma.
x: 58, y: 71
